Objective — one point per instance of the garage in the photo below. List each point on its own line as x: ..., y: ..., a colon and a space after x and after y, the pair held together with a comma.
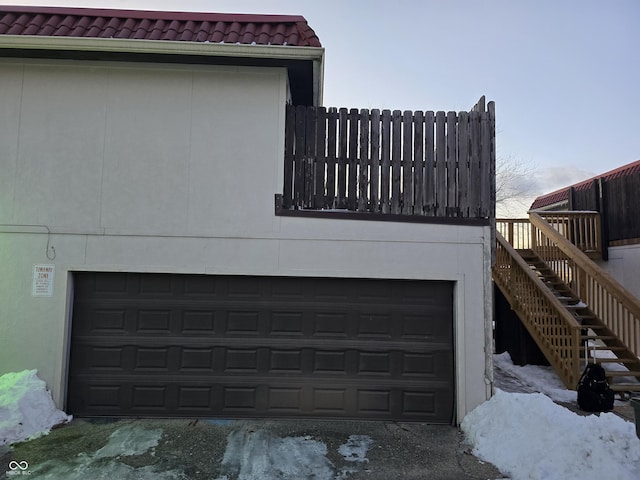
x: 178, y: 345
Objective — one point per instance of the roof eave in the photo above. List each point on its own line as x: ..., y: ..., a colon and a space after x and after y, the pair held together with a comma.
x: 168, y: 47
x: 159, y: 46
x: 550, y: 206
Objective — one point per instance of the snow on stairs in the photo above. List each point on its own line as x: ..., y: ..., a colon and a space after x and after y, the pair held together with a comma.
x: 623, y: 368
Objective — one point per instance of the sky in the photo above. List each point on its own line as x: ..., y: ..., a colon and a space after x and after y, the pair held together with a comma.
x: 564, y: 74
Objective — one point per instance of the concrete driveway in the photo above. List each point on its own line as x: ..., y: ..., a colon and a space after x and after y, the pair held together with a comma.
x: 119, y: 449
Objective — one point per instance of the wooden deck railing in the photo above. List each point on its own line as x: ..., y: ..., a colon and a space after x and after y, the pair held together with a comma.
x: 420, y: 164
x: 607, y: 298
x: 554, y: 329
x: 580, y: 228
x: 516, y: 231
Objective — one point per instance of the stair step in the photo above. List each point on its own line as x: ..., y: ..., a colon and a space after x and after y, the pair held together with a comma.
x: 548, y: 275
x: 625, y: 387
x: 576, y: 306
x: 623, y: 373
x: 616, y: 360
x: 598, y: 337
x: 592, y: 327
x: 604, y: 347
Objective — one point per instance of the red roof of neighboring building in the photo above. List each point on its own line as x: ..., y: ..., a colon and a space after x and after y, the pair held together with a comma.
x: 150, y: 25
x: 562, y: 195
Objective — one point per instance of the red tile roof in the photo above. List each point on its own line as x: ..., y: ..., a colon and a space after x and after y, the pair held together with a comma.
x: 562, y: 195
x: 150, y: 25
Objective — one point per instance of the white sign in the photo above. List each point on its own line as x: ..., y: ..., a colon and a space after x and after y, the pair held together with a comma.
x: 43, y: 280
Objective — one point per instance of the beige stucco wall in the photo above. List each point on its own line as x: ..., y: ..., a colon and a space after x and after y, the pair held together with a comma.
x: 174, y: 169
x: 624, y: 266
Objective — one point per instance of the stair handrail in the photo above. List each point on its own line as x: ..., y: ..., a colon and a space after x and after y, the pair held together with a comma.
x: 568, y: 366
x: 592, y: 277
x: 581, y: 227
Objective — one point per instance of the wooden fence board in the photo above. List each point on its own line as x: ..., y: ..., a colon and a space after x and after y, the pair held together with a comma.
x: 463, y: 164
x: 452, y: 164
x: 309, y: 157
x: 342, y: 159
x: 429, y: 164
x: 332, y: 119
x: 407, y: 163
x: 385, y: 169
x: 352, y: 179
x: 485, y: 159
x: 374, y: 177
x: 474, y: 164
x: 363, y: 165
x: 441, y: 167
x: 396, y: 160
x: 403, y: 163
x: 418, y: 161
x: 491, y: 139
x: 320, y: 159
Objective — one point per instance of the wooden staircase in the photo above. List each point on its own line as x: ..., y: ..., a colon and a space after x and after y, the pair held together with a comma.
x: 565, y: 300
x: 594, y: 332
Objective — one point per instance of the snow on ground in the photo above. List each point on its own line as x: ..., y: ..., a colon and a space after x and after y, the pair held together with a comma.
x: 106, y: 463
x: 528, y: 436
x: 535, y: 378
x: 26, y: 407
x: 355, y: 450
x: 261, y: 455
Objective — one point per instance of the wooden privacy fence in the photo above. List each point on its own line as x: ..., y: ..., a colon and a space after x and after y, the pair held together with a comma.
x: 382, y: 162
x: 616, y: 198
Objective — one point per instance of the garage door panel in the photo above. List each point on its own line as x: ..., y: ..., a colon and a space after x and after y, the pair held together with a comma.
x: 284, y: 399
x: 196, y: 345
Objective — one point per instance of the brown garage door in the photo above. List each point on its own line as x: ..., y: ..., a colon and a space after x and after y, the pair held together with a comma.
x: 236, y: 346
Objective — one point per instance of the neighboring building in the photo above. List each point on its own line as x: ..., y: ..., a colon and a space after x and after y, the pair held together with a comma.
x: 616, y: 195
x: 149, y: 268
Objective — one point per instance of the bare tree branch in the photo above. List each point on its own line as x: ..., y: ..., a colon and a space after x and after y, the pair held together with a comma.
x: 514, y: 182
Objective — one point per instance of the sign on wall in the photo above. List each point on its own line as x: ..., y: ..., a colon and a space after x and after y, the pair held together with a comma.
x: 43, y: 280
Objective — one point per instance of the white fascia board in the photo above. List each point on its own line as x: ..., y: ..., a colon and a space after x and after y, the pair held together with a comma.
x: 552, y: 206
x: 79, y: 44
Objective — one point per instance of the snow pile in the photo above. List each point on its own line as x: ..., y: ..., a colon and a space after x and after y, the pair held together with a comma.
x: 528, y: 436
x: 26, y: 407
x: 261, y: 455
x: 538, y: 378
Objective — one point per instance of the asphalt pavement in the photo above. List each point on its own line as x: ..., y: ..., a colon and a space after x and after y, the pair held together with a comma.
x: 122, y: 449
